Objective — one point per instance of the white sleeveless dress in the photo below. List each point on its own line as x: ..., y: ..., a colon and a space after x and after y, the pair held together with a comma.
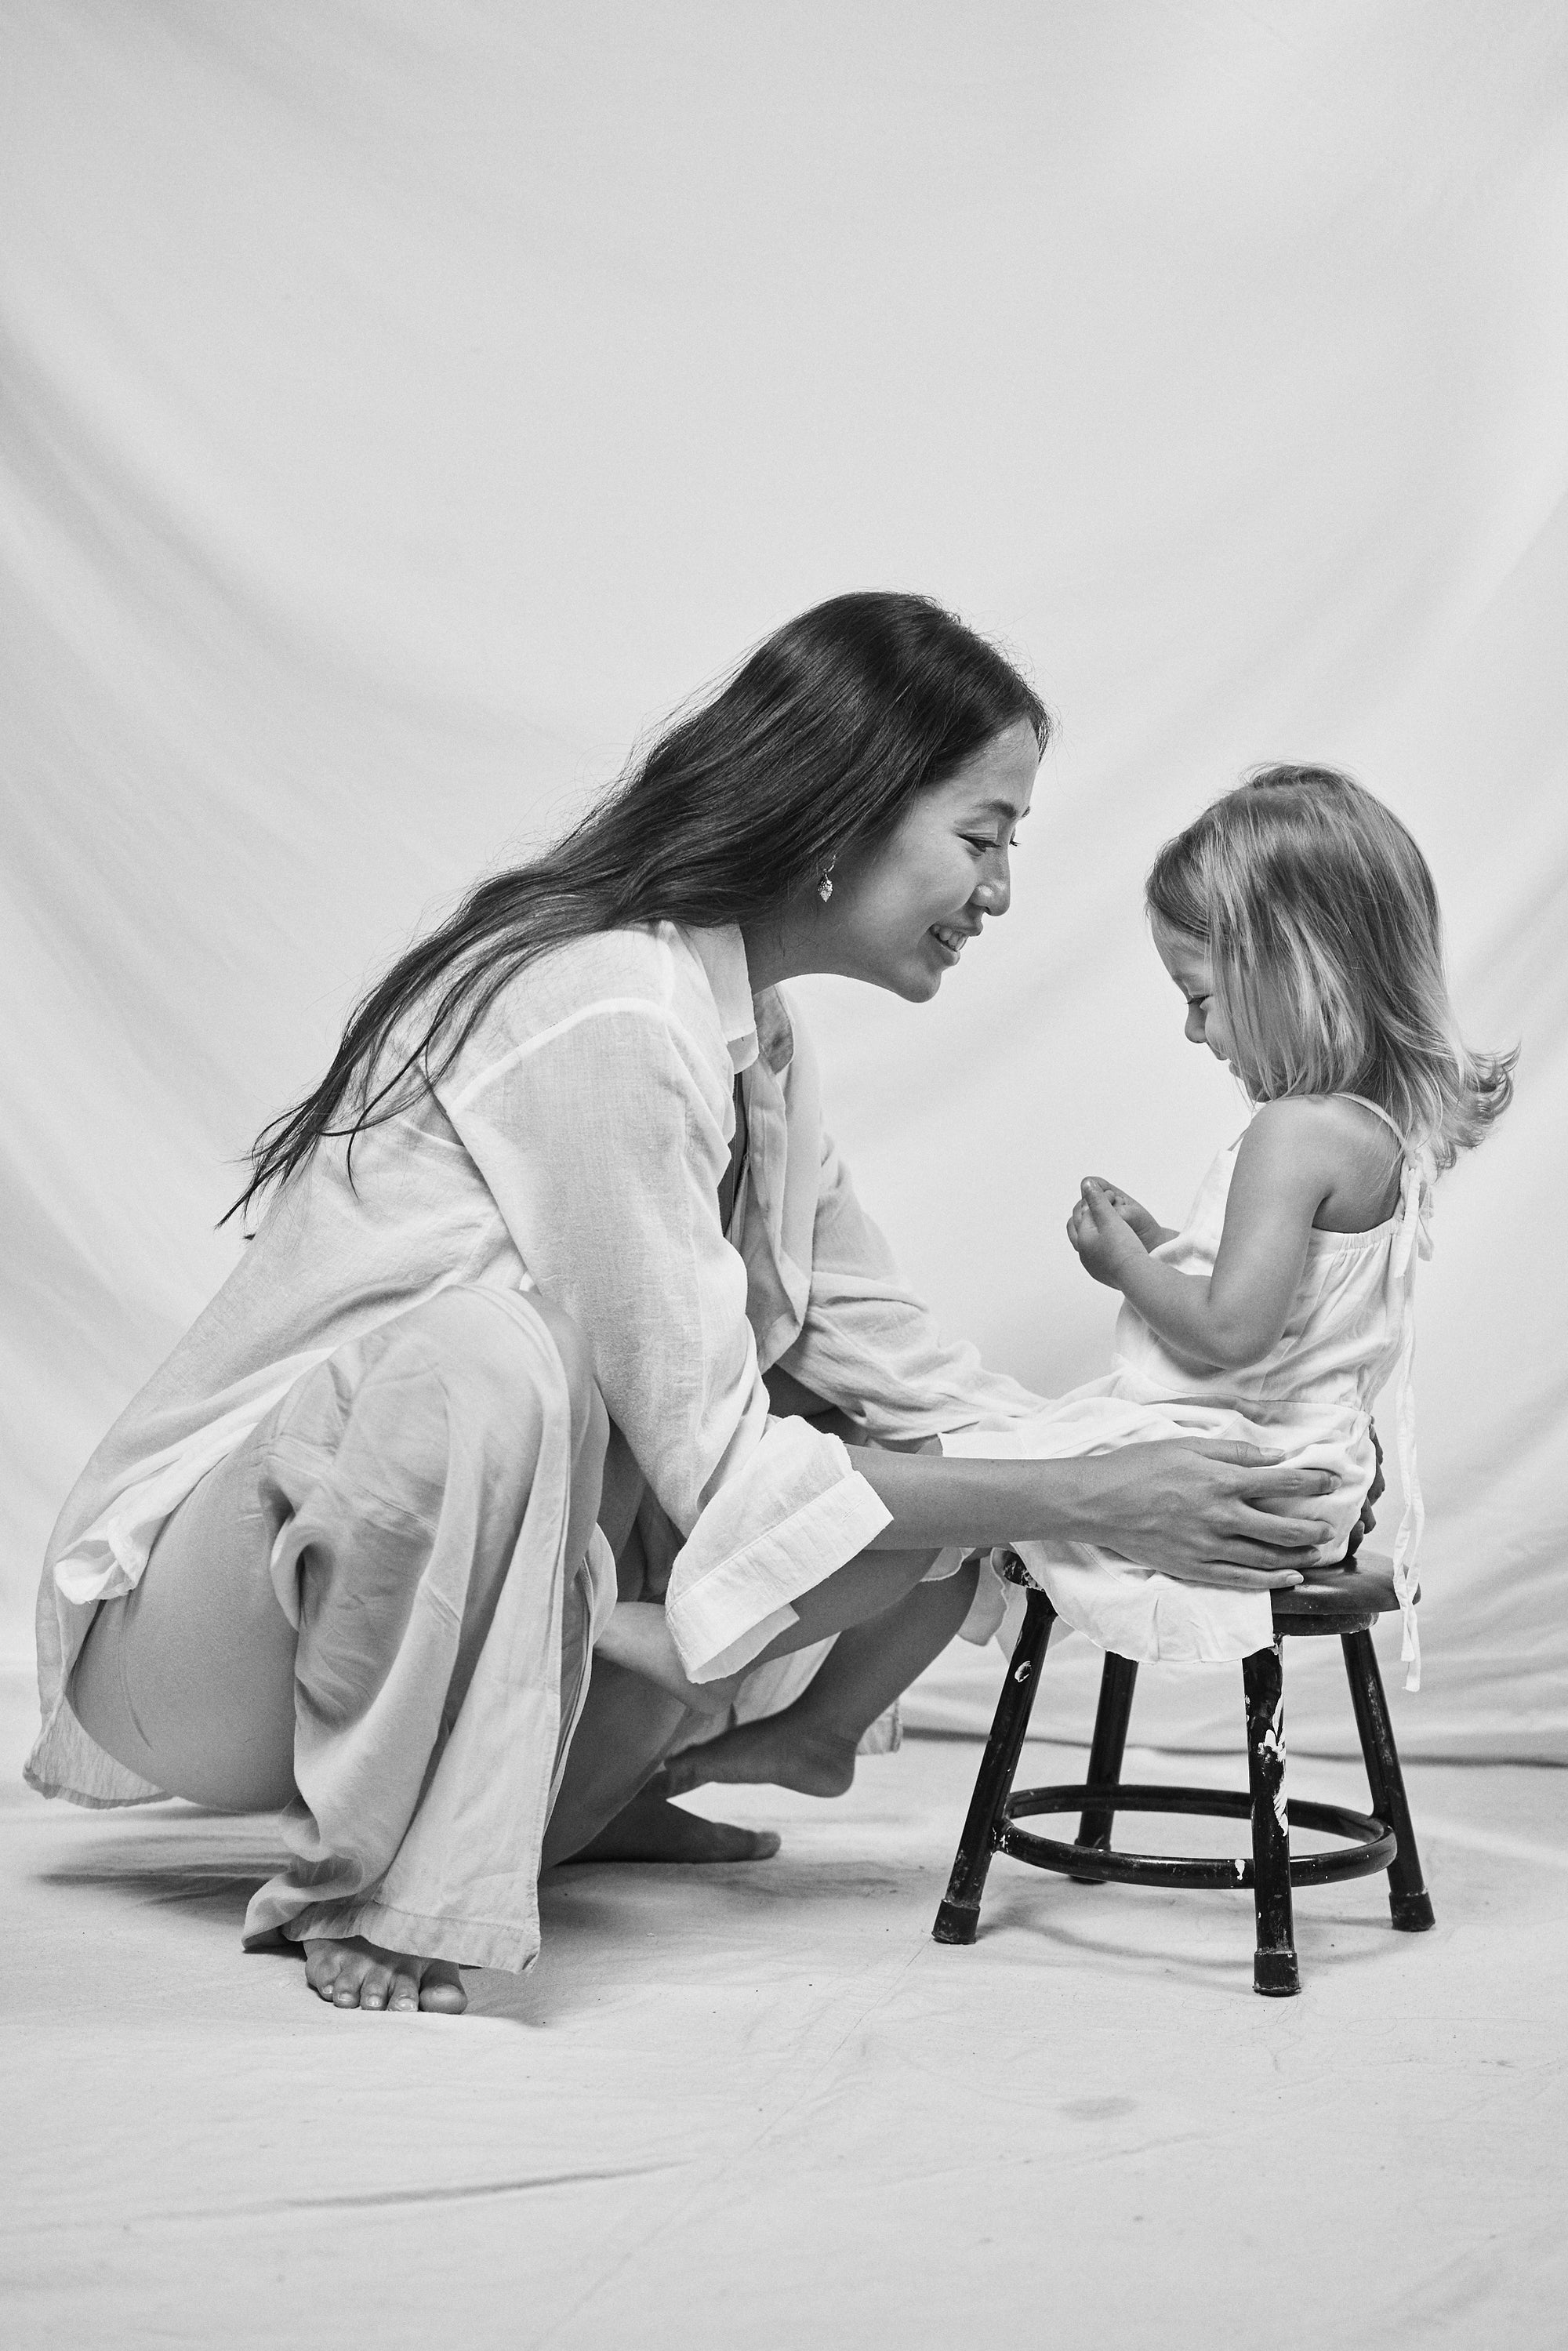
x: 1350, y: 1328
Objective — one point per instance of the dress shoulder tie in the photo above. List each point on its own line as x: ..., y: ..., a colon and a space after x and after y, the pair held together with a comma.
x: 1412, y: 1242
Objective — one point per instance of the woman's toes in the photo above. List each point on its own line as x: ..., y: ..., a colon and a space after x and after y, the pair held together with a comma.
x: 376, y: 1985
x: 354, y: 1965
x: 361, y: 1975
x: 731, y: 1844
x: 322, y: 1961
x: 404, y: 1996
x: 441, y: 1989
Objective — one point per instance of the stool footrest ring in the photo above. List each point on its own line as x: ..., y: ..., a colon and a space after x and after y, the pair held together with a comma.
x: 1370, y: 1845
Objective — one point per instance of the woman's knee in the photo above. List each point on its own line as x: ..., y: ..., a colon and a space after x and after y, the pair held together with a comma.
x: 489, y: 1360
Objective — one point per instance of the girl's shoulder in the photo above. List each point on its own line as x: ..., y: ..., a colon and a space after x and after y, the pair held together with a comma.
x: 1335, y: 1146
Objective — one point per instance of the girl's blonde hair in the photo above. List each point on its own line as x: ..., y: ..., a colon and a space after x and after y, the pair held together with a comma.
x: 1325, y: 953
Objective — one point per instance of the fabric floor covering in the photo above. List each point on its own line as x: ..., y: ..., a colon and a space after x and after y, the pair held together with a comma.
x: 760, y: 2106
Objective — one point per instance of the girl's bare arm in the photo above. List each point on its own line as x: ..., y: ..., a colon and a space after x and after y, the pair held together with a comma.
x: 1286, y: 1168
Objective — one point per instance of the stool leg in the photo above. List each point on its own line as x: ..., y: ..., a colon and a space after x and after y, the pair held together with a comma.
x: 1409, y: 1900
x: 1116, y: 1686
x: 959, y: 1915
x: 1274, y: 1970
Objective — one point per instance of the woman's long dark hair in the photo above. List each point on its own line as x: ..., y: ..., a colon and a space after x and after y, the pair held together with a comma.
x: 818, y: 742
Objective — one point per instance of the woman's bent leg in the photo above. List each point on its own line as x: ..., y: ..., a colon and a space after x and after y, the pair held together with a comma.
x: 189, y: 1679
x: 607, y: 1812
x: 417, y: 1501
x: 627, y: 1726
x: 811, y: 1744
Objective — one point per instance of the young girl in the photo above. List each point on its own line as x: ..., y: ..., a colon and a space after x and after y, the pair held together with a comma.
x: 1299, y: 919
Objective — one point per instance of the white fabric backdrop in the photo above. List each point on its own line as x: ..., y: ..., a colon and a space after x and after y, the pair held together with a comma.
x: 404, y: 405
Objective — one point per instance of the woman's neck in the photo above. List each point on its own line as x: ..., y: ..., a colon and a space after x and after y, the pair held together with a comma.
x: 775, y: 950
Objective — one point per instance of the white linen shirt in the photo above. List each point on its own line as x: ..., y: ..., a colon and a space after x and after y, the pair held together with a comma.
x: 577, y: 1144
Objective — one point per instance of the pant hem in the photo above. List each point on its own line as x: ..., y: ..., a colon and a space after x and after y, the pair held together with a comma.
x: 466, y: 1942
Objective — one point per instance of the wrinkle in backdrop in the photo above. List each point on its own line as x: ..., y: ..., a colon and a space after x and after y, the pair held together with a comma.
x: 404, y: 408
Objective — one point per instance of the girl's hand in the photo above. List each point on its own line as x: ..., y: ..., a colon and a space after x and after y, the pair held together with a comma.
x: 1103, y: 1235
x: 1147, y: 1227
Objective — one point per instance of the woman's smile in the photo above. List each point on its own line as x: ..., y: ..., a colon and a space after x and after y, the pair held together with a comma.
x: 950, y: 940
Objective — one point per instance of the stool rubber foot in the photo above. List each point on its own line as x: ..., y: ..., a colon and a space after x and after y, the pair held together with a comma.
x: 1411, y: 1913
x: 955, y: 1924
x: 1275, y: 1974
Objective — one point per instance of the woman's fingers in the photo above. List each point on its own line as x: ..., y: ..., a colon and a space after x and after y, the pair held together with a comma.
x: 1219, y: 1574
x: 1279, y: 1476
x: 1219, y: 1512
x: 1234, y: 1449
x: 1266, y: 1494
x: 1251, y: 1549
x: 1245, y: 1520
x: 1276, y: 1541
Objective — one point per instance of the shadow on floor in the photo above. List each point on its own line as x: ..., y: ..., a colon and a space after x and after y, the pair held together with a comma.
x: 218, y: 1893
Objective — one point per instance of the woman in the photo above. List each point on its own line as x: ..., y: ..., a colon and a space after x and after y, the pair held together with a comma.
x: 559, y: 1204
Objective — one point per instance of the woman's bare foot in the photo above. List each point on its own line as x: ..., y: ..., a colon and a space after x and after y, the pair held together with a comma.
x: 785, y: 1753
x: 650, y: 1828
x: 351, y: 1973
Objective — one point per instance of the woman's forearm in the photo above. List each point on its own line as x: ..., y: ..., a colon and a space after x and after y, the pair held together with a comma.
x: 1209, y: 1512
x: 937, y: 1501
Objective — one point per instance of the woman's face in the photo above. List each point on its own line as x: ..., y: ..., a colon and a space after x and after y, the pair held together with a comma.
x: 902, y: 911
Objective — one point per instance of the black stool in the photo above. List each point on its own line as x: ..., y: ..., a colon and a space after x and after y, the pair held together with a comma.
x: 1342, y: 1600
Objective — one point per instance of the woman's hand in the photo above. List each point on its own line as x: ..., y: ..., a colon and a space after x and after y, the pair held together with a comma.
x: 1148, y: 1226
x: 1205, y: 1512
x: 1103, y: 1234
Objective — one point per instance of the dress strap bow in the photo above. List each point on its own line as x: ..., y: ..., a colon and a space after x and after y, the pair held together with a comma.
x: 1412, y: 1242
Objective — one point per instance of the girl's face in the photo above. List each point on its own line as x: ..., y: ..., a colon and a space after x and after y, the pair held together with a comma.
x: 902, y: 911
x: 1187, y: 960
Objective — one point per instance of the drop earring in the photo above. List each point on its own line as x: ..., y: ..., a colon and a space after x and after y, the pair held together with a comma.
x: 825, y: 886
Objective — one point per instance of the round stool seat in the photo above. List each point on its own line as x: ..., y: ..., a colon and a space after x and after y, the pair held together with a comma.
x: 1340, y: 1599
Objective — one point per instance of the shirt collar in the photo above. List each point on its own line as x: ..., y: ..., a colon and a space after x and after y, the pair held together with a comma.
x: 753, y: 1026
